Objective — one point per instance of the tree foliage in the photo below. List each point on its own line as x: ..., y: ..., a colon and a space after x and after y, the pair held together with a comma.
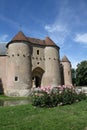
x: 73, y: 72
x: 81, y: 73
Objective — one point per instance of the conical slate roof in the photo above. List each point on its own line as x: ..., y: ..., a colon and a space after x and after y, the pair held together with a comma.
x: 65, y: 59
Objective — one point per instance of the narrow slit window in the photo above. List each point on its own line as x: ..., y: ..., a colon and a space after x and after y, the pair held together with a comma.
x: 23, y: 55
x: 16, y: 78
x: 12, y: 55
x: 17, y: 54
x: 37, y: 52
x: 68, y: 72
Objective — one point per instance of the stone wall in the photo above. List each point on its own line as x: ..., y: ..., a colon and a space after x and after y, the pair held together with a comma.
x: 52, y: 67
x: 18, y: 69
x: 2, y: 73
x: 38, y: 57
x: 67, y: 73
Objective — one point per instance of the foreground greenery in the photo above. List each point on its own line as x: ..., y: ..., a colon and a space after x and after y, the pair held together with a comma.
x: 4, y: 98
x: 28, y: 117
x: 51, y: 97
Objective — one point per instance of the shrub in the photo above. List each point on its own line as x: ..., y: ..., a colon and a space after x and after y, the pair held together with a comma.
x: 44, y: 99
x: 51, y: 97
x: 68, y: 96
x: 81, y: 96
x: 38, y: 99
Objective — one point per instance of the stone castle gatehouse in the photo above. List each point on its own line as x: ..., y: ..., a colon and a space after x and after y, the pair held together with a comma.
x: 31, y: 62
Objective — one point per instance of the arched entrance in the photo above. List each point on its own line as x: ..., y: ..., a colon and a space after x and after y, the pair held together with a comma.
x: 37, y: 74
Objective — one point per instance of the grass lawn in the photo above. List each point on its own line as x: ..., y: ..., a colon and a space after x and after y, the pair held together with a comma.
x: 3, y: 97
x: 28, y: 117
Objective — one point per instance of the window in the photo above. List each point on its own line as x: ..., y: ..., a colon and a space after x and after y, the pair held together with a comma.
x: 37, y: 52
x: 17, y: 54
x: 16, y: 78
x: 23, y: 55
x: 68, y: 72
x: 32, y: 78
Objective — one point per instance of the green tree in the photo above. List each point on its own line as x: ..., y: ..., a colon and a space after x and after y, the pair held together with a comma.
x: 73, y: 72
x: 81, y: 74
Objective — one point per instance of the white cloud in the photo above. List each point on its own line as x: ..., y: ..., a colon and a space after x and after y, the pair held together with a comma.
x: 66, y: 22
x: 82, y: 38
x: 53, y: 28
x: 57, y: 32
x: 3, y: 38
x: 74, y: 63
x: 60, y: 29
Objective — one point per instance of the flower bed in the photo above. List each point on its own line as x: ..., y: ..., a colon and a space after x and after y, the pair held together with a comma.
x: 53, y: 96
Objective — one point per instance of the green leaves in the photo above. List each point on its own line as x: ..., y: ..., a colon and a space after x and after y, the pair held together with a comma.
x: 81, y: 74
x: 64, y: 97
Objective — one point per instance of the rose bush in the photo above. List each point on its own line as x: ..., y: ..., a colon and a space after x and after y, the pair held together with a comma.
x: 52, y: 96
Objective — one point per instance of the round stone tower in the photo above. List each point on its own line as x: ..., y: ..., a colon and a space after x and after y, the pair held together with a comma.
x: 18, y: 66
x: 66, y: 71
x: 52, y: 64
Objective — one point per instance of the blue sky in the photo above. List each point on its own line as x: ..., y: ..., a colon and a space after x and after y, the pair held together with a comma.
x: 64, y: 21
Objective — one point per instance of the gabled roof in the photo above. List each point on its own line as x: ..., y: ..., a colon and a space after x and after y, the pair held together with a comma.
x: 65, y: 59
x: 21, y: 37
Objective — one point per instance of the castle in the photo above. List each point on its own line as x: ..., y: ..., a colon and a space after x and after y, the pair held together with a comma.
x: 31, y: 62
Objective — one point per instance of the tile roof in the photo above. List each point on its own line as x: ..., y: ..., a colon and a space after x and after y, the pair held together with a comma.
x: 36, y: 41
x: 21, y: 37
x: 49, y: 41
x: 65, y: 59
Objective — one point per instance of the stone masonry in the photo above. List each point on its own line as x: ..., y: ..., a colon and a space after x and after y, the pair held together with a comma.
x: 31, y: 62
